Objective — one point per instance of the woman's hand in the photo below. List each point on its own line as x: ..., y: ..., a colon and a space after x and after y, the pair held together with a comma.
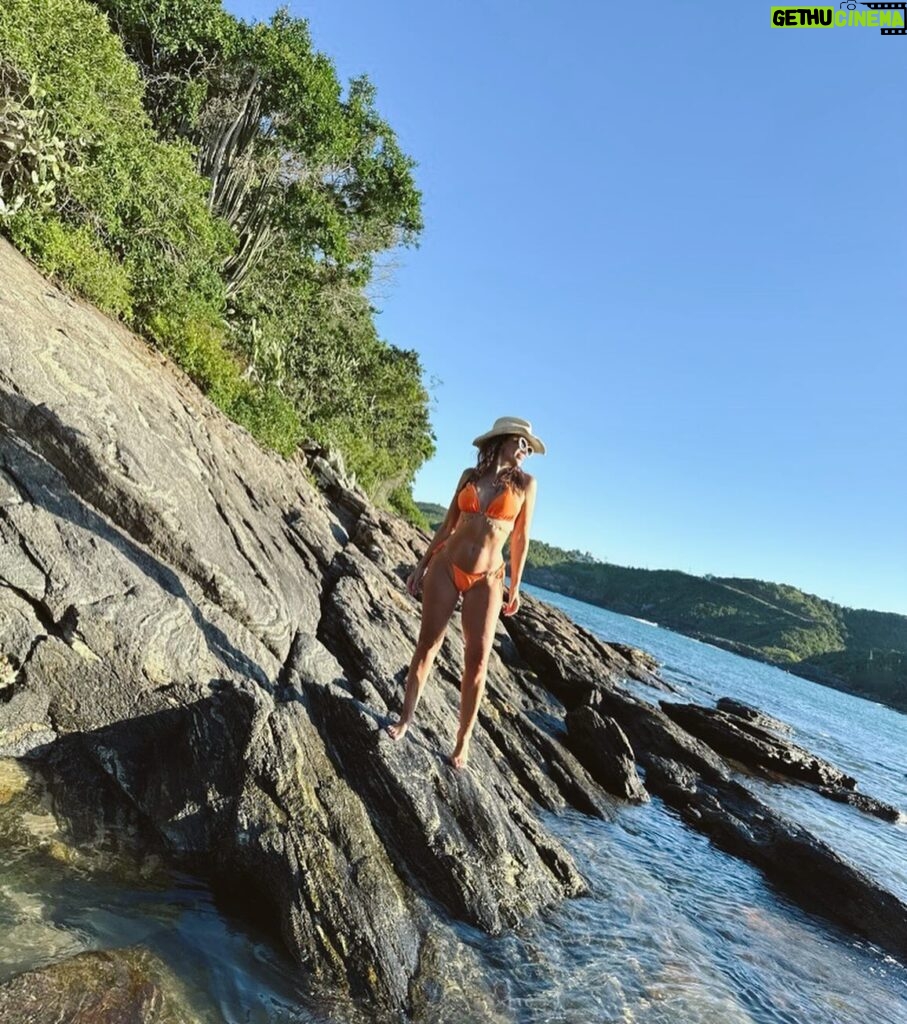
x: 512, y: 604
x: 414, y: 580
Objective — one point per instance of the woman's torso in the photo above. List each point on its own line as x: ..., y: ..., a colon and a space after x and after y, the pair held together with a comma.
x: 488, y: 510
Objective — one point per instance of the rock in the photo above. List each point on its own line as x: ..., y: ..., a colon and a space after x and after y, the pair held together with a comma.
x: 126, y: 986
x: 569, y: 660
x: 752, y: 715
x: 862, y: 802
x: 738, y: 732
x: 302, y: 841
x: 756, y: 747
x: 653, y: 734
x: 463, y: 837
x: 14, y: 780
x: 602, y: 746
x: 791, y: 856
x: 200, y: 651
x: 690, y: 776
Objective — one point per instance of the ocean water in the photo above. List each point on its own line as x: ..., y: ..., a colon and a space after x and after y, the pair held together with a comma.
x: 672, y: 930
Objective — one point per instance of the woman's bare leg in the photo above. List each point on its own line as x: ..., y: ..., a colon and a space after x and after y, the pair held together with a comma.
x: 481, y: 607
x: 439, y: 598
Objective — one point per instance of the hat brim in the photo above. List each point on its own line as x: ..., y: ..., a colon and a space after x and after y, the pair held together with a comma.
x: 538, y: 446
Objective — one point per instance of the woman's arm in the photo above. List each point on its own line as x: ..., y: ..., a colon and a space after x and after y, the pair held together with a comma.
x: 519, y: 548
x: 447, y: 527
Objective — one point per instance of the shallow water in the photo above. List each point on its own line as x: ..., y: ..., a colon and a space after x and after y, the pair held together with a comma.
x: 673, y: 929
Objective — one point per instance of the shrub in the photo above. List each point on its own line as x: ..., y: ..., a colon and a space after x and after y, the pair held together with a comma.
x: 71, y: 254
x: 136, y: 200
x: 33, y: 158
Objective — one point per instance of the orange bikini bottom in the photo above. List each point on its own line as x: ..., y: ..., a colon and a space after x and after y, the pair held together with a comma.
x: 463, y: 580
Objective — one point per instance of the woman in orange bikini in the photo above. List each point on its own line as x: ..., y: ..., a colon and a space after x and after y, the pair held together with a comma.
x: 492, y: 502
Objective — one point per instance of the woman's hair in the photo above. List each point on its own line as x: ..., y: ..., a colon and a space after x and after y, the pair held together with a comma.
x: 513, y: 476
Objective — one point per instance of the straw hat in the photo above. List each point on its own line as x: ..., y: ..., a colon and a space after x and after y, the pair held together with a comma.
x: 512, y: 425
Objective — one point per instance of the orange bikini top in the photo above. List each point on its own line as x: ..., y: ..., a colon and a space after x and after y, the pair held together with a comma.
x: 505, y: 505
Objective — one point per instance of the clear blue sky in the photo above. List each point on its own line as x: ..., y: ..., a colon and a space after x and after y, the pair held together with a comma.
x: 674, y: 238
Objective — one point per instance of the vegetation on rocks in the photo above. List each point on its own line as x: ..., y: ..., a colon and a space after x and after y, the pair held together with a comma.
x: 213, y: 183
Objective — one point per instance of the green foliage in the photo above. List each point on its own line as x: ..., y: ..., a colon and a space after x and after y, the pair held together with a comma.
x: 433, y: 514
x: 197, y: 346
x: 314, y: 185
x: 871, y: 672
x: 401, y: 501
x: 301, y: 187
x: 33, y: 158
x: 353, y: 391
x: 541, y: 554
x: 173, y: 42
x: 868, y: 630
x: 141, y: 199
x: 71, y: 254
x: 268, y: 415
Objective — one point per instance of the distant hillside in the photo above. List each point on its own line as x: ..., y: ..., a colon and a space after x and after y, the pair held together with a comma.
x: 859, y: 651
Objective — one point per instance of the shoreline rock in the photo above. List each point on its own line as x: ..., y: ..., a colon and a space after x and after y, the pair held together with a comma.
x: 743, y: 739
x: 201, y: 649
x: 756, y: 747
x: 128, y: 986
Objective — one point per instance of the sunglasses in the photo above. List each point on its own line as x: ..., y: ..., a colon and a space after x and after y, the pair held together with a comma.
x: 524, y: 446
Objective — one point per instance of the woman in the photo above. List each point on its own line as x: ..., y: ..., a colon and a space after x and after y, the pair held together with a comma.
x: 492, y: 501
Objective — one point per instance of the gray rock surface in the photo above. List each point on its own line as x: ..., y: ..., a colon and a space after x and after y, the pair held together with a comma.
x: 602, y: 746
x: 754, y: 746
x: 572, y: 662
x: 759, y: 743
x: 752, y: 715
x: 201, y: 650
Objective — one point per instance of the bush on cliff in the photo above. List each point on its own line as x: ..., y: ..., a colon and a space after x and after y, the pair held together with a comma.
x: 316, y: 186
x: 128, y: 226
x: 224, y: 196
x: 141, y: 198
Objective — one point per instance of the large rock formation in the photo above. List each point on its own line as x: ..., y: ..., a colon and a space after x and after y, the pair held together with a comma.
x: 746, y: 736
x: 200, y: 648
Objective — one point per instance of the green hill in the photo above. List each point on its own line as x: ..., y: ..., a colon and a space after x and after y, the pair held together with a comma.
x: 856, y: 650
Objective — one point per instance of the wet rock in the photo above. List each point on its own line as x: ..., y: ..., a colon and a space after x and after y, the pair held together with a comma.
x: 653, y: 734
x: 463, y: 836
x: 602, y: 746
x: 752, y: 715
x: 14, y: 779
x: 862, y: 802
x: 200, y: 651
x: 805, y: 867
x: 755, y: 747
x: 670, y: 778
x: 302, y: 841
x: 749, y: 738
x: 127, y: 986
x: 569, y: 660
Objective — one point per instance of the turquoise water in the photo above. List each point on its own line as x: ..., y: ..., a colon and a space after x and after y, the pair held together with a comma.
x: 673, y: 930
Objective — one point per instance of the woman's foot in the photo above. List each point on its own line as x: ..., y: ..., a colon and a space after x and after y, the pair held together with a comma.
x: 398, y: 730
x: 460, y: 755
